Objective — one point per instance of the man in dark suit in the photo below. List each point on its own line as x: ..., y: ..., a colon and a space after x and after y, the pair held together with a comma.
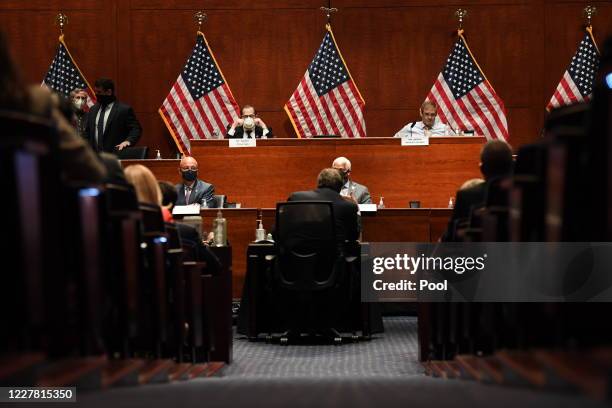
x: 329, y: 184
x: 495, y: 162
x: 111, y: 125
x: 192, y: 190
x: 249, y: 126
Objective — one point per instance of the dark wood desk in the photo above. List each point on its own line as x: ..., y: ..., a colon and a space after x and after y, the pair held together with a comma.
x: 388, y: 225
x: 262, y: 176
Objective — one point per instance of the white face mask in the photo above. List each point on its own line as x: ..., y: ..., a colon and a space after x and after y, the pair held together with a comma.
x: 79, y: 103
x: 249, y: 123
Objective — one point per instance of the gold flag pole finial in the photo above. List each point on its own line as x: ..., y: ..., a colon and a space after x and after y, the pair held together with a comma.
x: 200, y: 17
x: 589, y: 12
x: 61, y: 20
x: 461, y: 14
x: 328, y: 12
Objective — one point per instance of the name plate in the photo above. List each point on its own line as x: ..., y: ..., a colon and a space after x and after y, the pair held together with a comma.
x: 367, y: 208
x: 415, y: 140
x: 242, y: 142
x: 191, y: 209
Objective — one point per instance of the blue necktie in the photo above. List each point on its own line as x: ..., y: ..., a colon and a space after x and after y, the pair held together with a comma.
x: 101, y: 127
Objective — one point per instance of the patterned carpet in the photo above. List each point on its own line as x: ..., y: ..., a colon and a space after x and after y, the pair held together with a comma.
x: 380, y: 373
x: 390, y: 354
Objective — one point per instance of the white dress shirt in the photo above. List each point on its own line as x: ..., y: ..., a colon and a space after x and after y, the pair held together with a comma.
x: 438, y: 129
x: 107, y: 110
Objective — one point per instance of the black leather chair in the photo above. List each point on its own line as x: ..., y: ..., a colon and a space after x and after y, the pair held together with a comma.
x: 220, y: 201
x: 308, y: 266
x: 133, y: 153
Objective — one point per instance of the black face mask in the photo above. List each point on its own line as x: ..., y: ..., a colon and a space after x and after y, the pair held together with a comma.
x: 344, y: 176
x: 105, y: 99
x: 189, y: 175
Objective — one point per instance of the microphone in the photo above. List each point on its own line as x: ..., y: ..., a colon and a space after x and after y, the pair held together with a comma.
x: 411, y: 126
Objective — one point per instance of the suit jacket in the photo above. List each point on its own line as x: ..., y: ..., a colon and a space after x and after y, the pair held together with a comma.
x: 191, y: 236
x: 240, y: 133
x: 203, y: 193
x: 360, y: 192
x: 467, y: 200
x: 121, y: 125
x: 345, y: 213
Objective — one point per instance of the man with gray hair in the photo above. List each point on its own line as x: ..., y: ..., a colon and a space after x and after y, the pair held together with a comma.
x: 351, y: 189
x: 329, y: 184
x: 429, y: 125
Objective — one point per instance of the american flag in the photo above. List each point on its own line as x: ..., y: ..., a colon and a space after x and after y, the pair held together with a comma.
x: 200, y: 103
x: 466, y: 99
x: 64, y: 75
x: 577, y: 82
x: 327, y: 100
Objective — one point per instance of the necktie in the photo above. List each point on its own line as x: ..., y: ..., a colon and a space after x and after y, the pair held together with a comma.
x: 187, y: 194
x: 101, y: 126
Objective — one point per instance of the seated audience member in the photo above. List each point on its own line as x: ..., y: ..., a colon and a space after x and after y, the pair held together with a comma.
x: 77, y: 160
x: 357, y: 192
x: 329, y: 184
x: 249, y: 126
x: 495, y: 162
x: 429, y: 125
x: 188, y: 233
x: 146, y: 186
x: 114, y: 170
x: 192, y: 190
x: 111, y: 124
x: 471, y: 183
x: 78, y: 98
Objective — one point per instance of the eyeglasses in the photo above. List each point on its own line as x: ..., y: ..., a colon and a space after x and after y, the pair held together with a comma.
x: 249, y: 116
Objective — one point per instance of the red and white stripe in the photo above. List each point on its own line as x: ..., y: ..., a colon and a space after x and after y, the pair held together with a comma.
x: 481, y: 109
x: 338, y: 112
x: 191, y: 119
x: 567, y: 93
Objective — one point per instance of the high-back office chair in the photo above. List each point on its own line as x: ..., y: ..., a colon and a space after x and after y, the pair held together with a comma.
x: 133, y: 153
x: 308, y: 263
x: 219, y: 201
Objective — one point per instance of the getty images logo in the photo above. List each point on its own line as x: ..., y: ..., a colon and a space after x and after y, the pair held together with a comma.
x: 412, y: 264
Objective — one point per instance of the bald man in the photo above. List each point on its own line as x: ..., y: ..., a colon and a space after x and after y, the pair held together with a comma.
x: 192, y: 190
x: 358, y: 192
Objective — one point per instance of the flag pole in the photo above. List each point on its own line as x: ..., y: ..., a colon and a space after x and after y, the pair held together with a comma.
x: 328, y: 11
x: 61, y: 20
x: 460, y: 14
x: 200, y: 17
x: 589, y: 12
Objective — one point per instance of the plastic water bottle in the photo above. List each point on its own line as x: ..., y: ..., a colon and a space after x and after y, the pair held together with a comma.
x: 381, y: 203
x: 451, y: 203
x: 220, y: 230
x: 158, y: 155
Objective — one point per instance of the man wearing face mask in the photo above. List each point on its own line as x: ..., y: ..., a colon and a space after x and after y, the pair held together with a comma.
x: 79, y: 105
x: 249, y: 126
x: 192, y: 190
x: 354, y: 191
x: 111, y: 125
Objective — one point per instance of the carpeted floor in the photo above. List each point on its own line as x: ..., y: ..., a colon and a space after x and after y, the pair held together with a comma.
x: 380, y: 373
x: 393, y: 353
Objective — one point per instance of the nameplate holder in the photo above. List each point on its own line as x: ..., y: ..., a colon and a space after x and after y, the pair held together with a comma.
x: 415, y: 140
x: 367, y: 208
x: 242, y: 142
x: 191, y: 209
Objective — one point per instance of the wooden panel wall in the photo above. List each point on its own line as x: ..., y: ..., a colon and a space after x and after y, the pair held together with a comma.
x: 394, y: 49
